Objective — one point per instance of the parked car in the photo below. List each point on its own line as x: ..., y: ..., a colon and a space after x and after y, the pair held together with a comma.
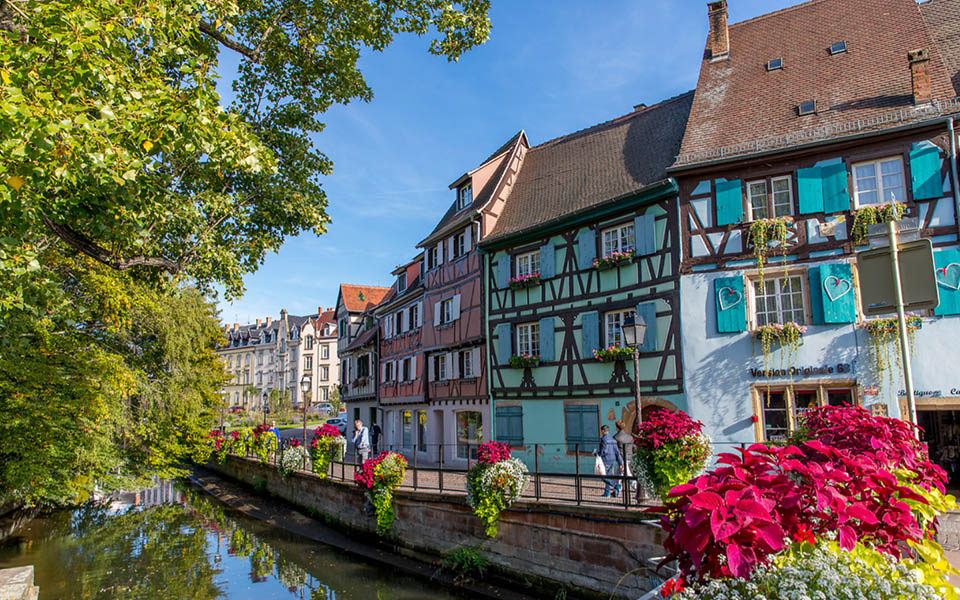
x: 323, y: 407
x: 340, y: 423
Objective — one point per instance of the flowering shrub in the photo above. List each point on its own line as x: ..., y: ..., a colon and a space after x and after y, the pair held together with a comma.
x: 523, y: 281
x: 494, y: 482
x: 670, y: 449
x: 293, y: 458
x: 380, y: 476
x: 524, y: 360
x: 613, y: 353
x: 613, y: 259
x: 327, y: 445
x: 264, y: 442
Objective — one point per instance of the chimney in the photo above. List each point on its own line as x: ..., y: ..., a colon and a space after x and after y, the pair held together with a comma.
x: 258, y: 322
x: 319, y: 310
x: 718, y: 40
x: 269, y: 319
x: 919, y: 75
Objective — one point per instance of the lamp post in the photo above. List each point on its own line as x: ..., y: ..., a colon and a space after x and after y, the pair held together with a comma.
x: 263, y: 408
x: 633, y: 330
x: 225, y: 397
x: 305, y: 383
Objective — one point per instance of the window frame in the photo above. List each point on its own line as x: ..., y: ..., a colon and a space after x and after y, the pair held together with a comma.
x: 324, y: 373
x: 324, y: 351
x: 401, y: 282
x: 533, y: 349
x: 878, y: 175
x: 432, y: 258
x: 440, y: 367
x: 523, y: 264
x: 822, y: 387
x: 620, y: 245
x: 465, y: 358
x: 308, y: 362
x: 623, y: 312
x: 459, y: 245
x: 413, y: 316
x: 308, y: 342
x: 406, y: 369
x: 446, y: 311
x: 462, y: 195
x: 771, y: 194
x: 770, y: 277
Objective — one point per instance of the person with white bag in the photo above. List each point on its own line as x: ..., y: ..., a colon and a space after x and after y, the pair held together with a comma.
x: 609, y: 455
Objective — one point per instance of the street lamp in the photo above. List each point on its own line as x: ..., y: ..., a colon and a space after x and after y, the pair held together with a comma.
x: 263, y: 408
x: 305, y: 383
x: 633, y: 330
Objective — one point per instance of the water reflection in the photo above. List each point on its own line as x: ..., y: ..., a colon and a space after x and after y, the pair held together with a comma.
x: 173, y: 542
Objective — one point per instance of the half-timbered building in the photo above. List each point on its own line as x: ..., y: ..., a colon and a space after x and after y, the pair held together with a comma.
x: 588, y: 236
x: 806, y: 123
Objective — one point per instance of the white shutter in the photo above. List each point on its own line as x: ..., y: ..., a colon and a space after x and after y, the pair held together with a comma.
x: 440, y: 251
x: 432, y: 371
x: 413, y: 367
x: 467, y: 241
x: 420, y: 313
x: 405, y: 320
x: 475, y: 362
x: 454, y: 365
x: 436, y: 314
x: 456, y: 308
x: 383, y: 372
x: 446, y: 365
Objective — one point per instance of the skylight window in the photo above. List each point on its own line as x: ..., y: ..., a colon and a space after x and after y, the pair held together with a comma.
x: 775, y: 64
x: 807, y: 108
x: 838, y: 48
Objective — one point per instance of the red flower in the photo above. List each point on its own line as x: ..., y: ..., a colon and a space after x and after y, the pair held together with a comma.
x: 493, y: 452
x: 294, y: 442
x: 671, y: 587
x: 665, y: 426
x: 803, y: 534
x: 755, y: 419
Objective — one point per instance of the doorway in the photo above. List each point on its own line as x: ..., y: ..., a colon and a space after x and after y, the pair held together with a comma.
x: 941, y: 432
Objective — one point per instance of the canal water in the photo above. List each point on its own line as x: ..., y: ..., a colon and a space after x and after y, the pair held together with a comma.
x: 173, y: 542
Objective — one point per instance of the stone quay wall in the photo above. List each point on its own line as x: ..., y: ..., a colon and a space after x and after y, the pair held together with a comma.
x: 585, y: 551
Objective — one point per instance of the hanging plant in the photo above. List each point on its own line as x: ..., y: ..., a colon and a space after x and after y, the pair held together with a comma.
x: 871, y: 215
x: 293, y: 458
x: 789, y: 335
x: 881, y: 333
x: 613, y: 353
x: 380, y: 476
x: 764, y: 231
x: 494, y: 482
x: 264, y: 443
x: 327, y: 445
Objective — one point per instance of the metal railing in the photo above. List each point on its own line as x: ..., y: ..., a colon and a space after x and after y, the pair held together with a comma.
x: 433, y: 470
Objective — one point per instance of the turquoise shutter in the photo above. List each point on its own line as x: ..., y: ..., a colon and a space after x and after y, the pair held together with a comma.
x: 547, y: 340
x: 644, y: 232
x: 810, y: 190
x: 731, y: 304
x: 548, y: 262
x: 574, y: 425
x: 837, y: 294
x: 648, y: 310
x: 947, y: 263
x: 729, y: 202
x: 503, y: 270
x: 589, y: 333
x: 510, y: 425
x: 836, y: 196
x: 587, y: 248
x: 816, y: 299
x: 925, y: 173
x: 504, y: 343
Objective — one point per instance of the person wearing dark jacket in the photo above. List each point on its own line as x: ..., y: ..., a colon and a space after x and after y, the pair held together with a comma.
x: 609, y: 453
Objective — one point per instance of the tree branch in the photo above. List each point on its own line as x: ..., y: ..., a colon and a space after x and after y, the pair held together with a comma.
x: 84, y: 244
x: 243, y: 49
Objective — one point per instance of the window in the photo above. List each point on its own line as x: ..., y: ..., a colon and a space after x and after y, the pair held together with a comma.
x: 432, y: 257
x: 388, y: 371
x: 781, y: 409
x: 464, y: 196
x: 406, y: 370
x: 582, y: 427
x: 528, y: 339
x: 260, y: 358
x: 324, y: 373
x: 270, y: 381
x: 229, y: 362
x: 446, y: 311
x: 397, y: 323
x: 459, y: 245
x: 613, y: 323
x: 879, y: 182
x: 247, y: 361
x: 363, y: 366
x: 246, y: 378
x: 838, y: 47
x: 770, y: 198
x: 618, y: 239
x: 510, y: 425
x: 469, y: 433
x: 341, y: 327
x: 807, y: 108
x: 422, y: 430
x: 528, y: 264
x: 775, y: 64
x: 414, y: 316
x: 308, y: 363
x: 401, y: 282
x: 407, y: 428
x: 780, y: 301
x: 325, y: 394
x: 308, y: 342
x: 440, y: 367
x: 259, y: 378
x: 466, y: 364
x: 236, y: 398
x: 325, y: 351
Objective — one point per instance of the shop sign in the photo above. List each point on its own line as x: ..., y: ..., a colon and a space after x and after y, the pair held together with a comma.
x: 811, y: 371
x: 930, y: 393
x: 878, y: 410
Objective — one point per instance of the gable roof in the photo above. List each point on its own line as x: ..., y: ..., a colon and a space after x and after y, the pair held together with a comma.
x: 327, y: 317
x: 740, y: 107
x: 358, y: 298
x: 943, y: 21
x: 453, y: 218
x: 601, y: 163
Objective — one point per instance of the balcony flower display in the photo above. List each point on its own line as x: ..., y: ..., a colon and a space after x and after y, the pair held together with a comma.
x: 849, y: 512
x: 293, y: 458
x: 361, y: 381
x: 670, y: 449
x: 380, y: 476
x: 613, y: 353
x: 524, y: 360
x: 263, y: 442
x: 494, y: 482
x: 613, y: 259
x: 327, y: 445
x: 524, y: 281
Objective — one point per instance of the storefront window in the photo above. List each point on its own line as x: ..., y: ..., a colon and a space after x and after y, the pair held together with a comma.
x: 780, y: 410
x: 407, y: 433
x: 775, y: 415
x: 422, y: 430
x: 469, y: 433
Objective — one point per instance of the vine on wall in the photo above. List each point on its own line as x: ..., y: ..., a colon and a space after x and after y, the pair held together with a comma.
x: 764, y: 231
x: 871, y: 215
x: 884, y: 340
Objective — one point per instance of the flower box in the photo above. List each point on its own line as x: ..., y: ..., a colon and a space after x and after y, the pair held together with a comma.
x: 361, y: 381
x: 613, y: 259
x: 891, y: 324
x: 524, y: 281
x: 785, y: 332
x: 613, y: 353
x: 524, y: 361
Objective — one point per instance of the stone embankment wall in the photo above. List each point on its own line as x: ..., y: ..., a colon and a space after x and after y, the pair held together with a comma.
x: 583, y: 550
x: 17, y: 584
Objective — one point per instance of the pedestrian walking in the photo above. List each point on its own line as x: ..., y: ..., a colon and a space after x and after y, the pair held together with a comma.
x: 274, y: 430
x: 377, y: 433
x: 361, y: 441
x: 609, y: 453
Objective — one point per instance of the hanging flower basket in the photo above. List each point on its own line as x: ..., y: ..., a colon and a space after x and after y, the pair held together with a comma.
x: 327, y: 445
x: 613, y: 353
x: 764, y: 231
x: 884, y: 337
x: 494, y: 482
x: 523, y: 361
x: 524, y: 281
x: 872, y: 215
x: 380, y: 477
x: 613, y: 259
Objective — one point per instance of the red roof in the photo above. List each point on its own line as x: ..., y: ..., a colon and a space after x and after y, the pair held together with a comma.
x: 739, y: 103
x: 324, y: 318
x: 358, y: 298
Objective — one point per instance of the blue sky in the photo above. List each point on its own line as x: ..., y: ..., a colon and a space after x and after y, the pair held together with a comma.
x: 550, y: 68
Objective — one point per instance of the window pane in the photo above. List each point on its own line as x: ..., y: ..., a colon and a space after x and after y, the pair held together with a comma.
x: 839, y: 397
x: 782, y: 202
x: 774, y: 415
x: 609, y: 242
x: 867, y: 170
x: 535, y: 262
x: 758, y: 200
x: 626, y: 238
x: 469, y: 433
x: 864, y: 198
x: 803, y: 400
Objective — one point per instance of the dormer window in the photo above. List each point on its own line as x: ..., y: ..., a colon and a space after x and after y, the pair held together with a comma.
x: 775, y: 64
x: 464, y: 196
x: 401, y: 282
x: 838, y: 48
